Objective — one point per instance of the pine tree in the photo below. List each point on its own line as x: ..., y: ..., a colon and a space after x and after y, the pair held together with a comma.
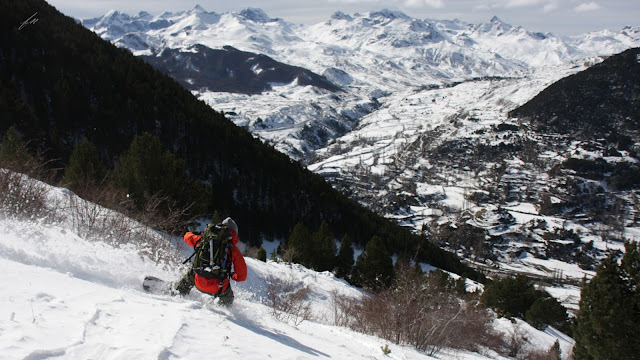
x: 608, y: 321
x: 511, y: 296
x: 631, y: 267
x: 84, y: 166
x: 146, y: 171
x: 374, y: 268
x: 297, y: 244
x: 14, y: 153
x: 216, y: 218
x: 324, y: 246
x: 140, y: 170
x: 274, y: 256
x: 12, y: 145
x: 547, y: 311
x: 344, y: 260
x: 262, y: 254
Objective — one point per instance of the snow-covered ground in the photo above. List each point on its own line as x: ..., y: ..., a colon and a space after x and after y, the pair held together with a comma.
x: 65, y: 297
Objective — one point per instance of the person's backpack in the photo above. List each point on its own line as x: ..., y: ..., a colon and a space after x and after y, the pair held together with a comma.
x: 213, y: 253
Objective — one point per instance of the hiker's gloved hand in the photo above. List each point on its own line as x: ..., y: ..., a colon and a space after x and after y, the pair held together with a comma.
x: 234, y: 276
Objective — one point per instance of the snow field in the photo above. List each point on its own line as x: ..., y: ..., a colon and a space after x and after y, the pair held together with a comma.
x: 71, y: 307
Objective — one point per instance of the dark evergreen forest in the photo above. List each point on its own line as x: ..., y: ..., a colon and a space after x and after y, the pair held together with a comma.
x: 602, y: 101
x: 61, y: 86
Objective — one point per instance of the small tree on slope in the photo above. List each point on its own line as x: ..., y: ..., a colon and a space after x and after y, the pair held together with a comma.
x: 608, y: 321
x: 344, y: 259
x: 374, y: 267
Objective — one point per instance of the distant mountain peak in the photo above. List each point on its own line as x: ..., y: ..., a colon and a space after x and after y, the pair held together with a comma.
x: 339, y: 15
x: 256, y: 15
x: 495, y: 25
x: 198, y: 9
x: 111, y: 12
x: 390, y: 14
x: 115, y: 15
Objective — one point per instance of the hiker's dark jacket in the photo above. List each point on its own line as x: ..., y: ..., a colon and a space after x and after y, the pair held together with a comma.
x: 239, y: 266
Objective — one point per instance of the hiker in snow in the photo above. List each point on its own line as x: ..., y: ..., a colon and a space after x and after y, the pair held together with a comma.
x: 215, y: 254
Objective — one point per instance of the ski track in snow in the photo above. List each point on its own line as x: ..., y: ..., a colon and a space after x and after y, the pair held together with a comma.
x: 82, y: 320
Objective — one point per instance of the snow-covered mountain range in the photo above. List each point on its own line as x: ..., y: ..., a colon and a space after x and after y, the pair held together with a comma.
x: 369, y: 56
x: 417, y: 127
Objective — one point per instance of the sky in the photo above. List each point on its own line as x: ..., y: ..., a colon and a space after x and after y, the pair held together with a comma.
x: 561, y: 17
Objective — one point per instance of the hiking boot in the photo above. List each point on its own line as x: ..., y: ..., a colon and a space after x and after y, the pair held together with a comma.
x: 226, y: 298
x: 186, y: 283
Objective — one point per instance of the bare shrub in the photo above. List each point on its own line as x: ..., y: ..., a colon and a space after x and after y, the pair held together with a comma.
x: 251, y: 251
x: 515, y: 343
x: 164, y: 214
x: 108, y: 218
x: 289, y: 254
x: 421, y: 311
x: 93, y: 221
x: 538, y: 355
x: 345, y: 310
x: 103, y: 212
x: 22, y: 196
x: 553, y: 353
x: 162, y: 219
x: 287, y: 299
x: 23, y: 189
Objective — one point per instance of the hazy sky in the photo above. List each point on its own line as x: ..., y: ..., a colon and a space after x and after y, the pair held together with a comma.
x: 562, y: 17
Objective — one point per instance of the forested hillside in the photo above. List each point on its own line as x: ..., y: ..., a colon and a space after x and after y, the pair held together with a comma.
x: 61, y: 84
x: 595, y: 117
x: 603, y: 100
x: 231, y: 70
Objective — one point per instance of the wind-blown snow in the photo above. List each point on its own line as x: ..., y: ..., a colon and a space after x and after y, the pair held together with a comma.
x: 64, y: 297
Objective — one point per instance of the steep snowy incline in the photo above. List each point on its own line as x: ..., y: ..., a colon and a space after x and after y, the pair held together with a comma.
x: 64, y: 297
x: 50, y: 314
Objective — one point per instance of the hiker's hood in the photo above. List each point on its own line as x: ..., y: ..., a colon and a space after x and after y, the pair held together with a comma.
x: 233, y: 227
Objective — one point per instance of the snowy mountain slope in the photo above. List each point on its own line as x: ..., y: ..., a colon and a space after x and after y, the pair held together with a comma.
x: 381, y: 141
x: 232, y: 70
x: 405, y: 160
x: 466, y: 163
x: 66, y: 297
x: 368, y: 55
